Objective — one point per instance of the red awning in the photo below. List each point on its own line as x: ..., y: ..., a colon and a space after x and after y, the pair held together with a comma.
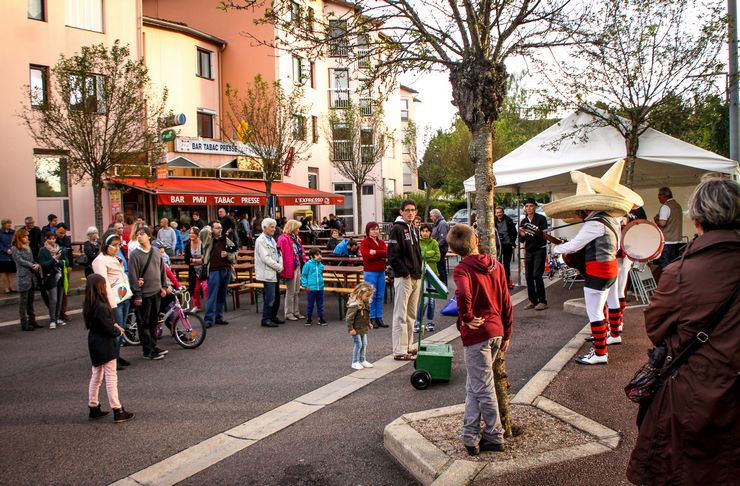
x: 292, y: 195
x: 196, y: 192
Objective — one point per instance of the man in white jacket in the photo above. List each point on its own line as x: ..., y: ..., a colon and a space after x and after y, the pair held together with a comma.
x: 268, y: 263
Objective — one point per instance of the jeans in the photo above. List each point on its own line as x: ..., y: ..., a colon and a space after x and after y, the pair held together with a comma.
x: 120, y: 313
x: 358, y: 352
x: 429, y: 303
x: 272, y: 301
x: 315, y: 297
x: 442, y: 268
x: 55, y: 300
x: 25, y: 307
x: 480, y: 394
x: 506, y: 251
x: 377, y: 280
x: 534, y: 266
x: 404, y: 313
x: 148, y: 317
x: 218, y: 281
x: 670, y: 253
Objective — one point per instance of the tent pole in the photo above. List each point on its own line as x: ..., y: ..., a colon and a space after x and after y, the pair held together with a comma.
x: 733, y: 79
x: 519, y: 246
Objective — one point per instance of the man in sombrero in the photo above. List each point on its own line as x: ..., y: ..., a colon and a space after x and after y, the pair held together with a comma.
x: 599, y: 238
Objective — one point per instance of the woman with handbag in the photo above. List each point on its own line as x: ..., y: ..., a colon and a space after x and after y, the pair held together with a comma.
x: 197, y: 281
x: 25, y: 277
x: 291, y: 247
x: 689, y: 431
x: 90, y: 249
x: 108, y: 265
x: 54, y: 268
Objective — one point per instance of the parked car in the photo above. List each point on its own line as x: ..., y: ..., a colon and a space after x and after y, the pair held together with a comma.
x: 460, y: 217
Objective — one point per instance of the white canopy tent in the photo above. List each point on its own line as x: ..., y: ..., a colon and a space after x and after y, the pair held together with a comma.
x: 543, y: 164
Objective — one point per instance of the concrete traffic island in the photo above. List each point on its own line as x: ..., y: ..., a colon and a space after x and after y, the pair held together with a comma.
x: 560, y: 433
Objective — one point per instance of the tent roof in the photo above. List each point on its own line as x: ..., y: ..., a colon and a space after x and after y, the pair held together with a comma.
x: 543, y: 164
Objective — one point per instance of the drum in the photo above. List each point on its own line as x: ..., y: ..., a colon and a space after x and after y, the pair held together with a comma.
x: 642, y: 240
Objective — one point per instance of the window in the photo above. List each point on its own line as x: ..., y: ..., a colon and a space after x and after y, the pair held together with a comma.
x: 368, y: 190
x: 39, y: 86
x: 315, y: 129
x: 295, y: 12
x: 390, y: 187
x: 338, y: 45
x: 339, y: 91
x: 363, y: 51
x: 407, y: 176
x: 203, y: 69
x: 36, y: 10
x: 341, y: 144
x: 310, y: 19
x: 345, y: 211
x: 298, y: 74
x: 87, y: 93
x: 366, y: 101
x: 84, y: 14
x: 312, y: 74
x: 299, y: 127
x: 51, y: 176
x: 367, y: 146
x: 205, y: 124
x: 404, y: 109
x: 313, y: 178
x: 406, y: 145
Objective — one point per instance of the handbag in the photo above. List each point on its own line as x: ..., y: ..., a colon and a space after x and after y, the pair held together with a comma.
x: 123, y: 291
x: 81, y: 260
x: 648, y: 379
x: 450, y: 308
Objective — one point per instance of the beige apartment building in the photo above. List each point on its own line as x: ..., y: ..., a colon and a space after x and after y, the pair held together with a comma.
x: 193, y: 49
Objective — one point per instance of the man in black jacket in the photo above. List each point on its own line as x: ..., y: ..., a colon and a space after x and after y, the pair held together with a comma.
x: 404, y: 257
x: 534, y: 262
x: 506, y: 230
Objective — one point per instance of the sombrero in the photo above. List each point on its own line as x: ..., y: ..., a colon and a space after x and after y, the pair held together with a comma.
x: 586, y: 199
x: 609, y: 184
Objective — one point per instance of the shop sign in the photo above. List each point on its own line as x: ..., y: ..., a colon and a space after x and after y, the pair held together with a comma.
x: 162, y: 172
x: 168, y: 135
x: 115, y: 202
x: 310, y: 200
x: 213, y: 147
x: 210, y: 200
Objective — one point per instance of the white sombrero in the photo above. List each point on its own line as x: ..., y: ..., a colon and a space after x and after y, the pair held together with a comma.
x: 586, y: 199
x: 609, y: 184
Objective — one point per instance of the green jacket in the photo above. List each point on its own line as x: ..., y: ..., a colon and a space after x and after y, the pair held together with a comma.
x: 358, y: 317
x: 430, y: 253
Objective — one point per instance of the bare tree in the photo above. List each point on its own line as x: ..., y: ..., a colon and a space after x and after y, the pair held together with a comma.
x: 357, y: 139
x: 268, y: 124
x: 101, y: 115
x: 470, y: 39
x: 635, y: 56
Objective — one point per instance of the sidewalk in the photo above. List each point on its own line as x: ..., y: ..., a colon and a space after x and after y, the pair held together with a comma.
x: 596, y: 392
x: 76, y: 287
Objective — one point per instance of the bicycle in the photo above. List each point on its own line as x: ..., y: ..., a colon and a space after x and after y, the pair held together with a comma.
x: 186, y: 327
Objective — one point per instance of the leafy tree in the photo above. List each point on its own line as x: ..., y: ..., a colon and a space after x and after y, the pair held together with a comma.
x: 635, y: 56
x: 102, y: 114
x: 268, y: 124
x: 357, y: 143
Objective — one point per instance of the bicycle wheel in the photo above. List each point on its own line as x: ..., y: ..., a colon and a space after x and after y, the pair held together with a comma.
x: 131, y: 336
x: 190, y: 331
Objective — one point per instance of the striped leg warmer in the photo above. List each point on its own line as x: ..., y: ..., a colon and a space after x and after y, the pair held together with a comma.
x: 598, y: 331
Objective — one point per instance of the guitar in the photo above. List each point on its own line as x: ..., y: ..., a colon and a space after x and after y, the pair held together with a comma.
x: 575, y: 260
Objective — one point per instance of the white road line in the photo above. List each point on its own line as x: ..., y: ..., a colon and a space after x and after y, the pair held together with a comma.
x: 202, y: 455
x: 38, y: 318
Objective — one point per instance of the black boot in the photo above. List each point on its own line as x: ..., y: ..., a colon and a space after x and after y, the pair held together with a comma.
x: 120, y: 415
x: 96, y: 413
x: 381, y: 323
x: 25, y: 326
x: 122, y: 362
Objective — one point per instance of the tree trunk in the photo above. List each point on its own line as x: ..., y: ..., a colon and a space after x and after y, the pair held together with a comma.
x: 427, y: 201
x: 97, y: 188
x: 268, y: 193
x: 358, y: 195
x: 631, y: 141
x: 478, y: 90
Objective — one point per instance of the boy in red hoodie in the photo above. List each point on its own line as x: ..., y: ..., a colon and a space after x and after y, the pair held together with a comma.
x: 485, y: 325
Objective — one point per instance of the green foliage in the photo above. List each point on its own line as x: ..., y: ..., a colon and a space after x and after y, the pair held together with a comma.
x: 448, y: 207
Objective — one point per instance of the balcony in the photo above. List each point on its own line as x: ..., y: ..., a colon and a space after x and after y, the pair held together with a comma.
x: 342, y: 150
x: 338, y: 48
x: 366, y: 106
x: 338, y: 98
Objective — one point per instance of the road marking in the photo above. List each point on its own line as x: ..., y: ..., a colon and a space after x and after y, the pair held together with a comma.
x: 202, y: 455
x: 38, y: 318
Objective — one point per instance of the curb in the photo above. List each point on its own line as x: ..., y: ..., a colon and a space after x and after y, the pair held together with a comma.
x: 13, y: 300
x: 430, y: 465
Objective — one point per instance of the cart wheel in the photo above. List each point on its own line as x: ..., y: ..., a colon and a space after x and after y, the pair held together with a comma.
x: 420, y: 379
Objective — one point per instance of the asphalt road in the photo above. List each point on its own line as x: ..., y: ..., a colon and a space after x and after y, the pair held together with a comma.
x: 240, y: 372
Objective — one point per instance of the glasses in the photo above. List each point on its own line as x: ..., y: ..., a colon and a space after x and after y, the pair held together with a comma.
x: 409, y: 210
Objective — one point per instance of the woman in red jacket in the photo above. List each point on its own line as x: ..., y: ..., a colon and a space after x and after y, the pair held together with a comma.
x: 373, y: 250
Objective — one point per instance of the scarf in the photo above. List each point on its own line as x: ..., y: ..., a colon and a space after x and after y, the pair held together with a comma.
x: 298, y: 255
x: 53, y: 249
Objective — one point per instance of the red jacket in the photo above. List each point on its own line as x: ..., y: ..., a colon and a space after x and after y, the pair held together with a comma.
x: 373, y: 263
x: 482, y: 292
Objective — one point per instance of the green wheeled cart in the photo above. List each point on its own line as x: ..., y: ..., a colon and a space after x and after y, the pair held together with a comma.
x: 433, y: 360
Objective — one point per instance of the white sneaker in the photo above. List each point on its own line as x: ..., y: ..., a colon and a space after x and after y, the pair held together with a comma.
x: 53, y: 325
x: 592, y: 359
x: 194, y: 309
x: 61, y: 323
x: 367, y: 364
x: 613, y: 340
x: 357, y: 366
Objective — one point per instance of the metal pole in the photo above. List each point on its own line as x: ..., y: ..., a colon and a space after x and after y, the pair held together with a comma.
x: 733, y: 101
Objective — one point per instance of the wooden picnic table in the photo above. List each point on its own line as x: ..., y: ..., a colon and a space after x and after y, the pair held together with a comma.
x: 341, y: 259
x: 350, y: 276
x: 245, y: 252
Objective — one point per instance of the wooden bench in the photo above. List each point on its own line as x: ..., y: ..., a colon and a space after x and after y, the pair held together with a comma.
x: 257, y: 288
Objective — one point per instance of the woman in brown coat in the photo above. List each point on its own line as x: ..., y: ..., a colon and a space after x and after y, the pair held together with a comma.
x: 690, y: 434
